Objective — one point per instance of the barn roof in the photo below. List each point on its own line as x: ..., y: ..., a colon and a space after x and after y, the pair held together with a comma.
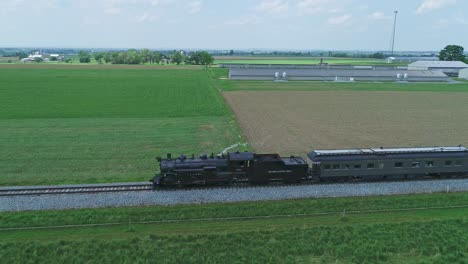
x: 439, y: 64
x: 333, y: 72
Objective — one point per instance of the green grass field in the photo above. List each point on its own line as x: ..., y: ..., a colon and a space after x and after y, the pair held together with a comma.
x: 80, y: 125
x: 410, y: 229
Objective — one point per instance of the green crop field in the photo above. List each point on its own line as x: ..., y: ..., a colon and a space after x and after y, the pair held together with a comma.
x: 85, y: 125
x: 409, y: 229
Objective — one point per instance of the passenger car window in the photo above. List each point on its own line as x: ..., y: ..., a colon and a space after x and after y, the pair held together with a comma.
x: 327, y: 166
x: 336, y: 166
x: 416, y: 164
x: 429, y: 164
x: 448, y: 163
x: 347, y: 167
x: 357, y: 166
x: 370, y: 165
x: 458, y: 163
x: 398, y: 164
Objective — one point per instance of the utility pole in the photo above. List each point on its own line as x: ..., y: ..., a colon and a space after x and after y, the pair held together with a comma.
x: 394, y: 32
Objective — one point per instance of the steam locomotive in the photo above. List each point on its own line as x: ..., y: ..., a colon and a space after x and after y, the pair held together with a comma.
x: 373, y: 164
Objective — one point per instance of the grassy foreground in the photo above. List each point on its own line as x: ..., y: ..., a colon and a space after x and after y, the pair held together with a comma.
x: 316, y: 231
x: 82, y: 125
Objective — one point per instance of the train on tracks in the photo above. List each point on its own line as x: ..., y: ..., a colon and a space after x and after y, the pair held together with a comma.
x: 372, y: 164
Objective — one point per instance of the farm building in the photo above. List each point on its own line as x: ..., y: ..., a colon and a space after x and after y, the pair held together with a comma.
x: 447, y: 67
x: 361, y: 73
x: 410, y: 59
x: 463, y: 73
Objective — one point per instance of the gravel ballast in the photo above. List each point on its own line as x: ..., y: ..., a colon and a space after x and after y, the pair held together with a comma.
x: 225, y: 195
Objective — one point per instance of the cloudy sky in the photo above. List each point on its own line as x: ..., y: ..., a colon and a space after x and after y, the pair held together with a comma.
x: 239, y: 24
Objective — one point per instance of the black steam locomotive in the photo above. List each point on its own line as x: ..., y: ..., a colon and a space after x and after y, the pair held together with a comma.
x: 327, y: 165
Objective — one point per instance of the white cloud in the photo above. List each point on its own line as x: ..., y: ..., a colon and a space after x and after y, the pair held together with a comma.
x: 161, y: 2
x: 145, y: 17
x: 245, y: 20
x: 315, y: 6
x: 363, y: 7
x: 378, y: 16
x: 430, y: 5
x: 461, y: 20
x: 113, y: 10
x: 340, y: 20
x: 273, y: 6
x: 194, y: 7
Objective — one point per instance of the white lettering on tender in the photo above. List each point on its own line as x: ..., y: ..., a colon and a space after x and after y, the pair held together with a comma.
x: 279, y: 171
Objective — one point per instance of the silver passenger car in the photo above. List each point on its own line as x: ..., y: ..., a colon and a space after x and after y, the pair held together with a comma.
x: 391, y: 163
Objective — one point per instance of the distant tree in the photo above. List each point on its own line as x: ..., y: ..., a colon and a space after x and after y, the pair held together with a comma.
x: 340, y: 55
x: 38, y: 59
x: 107, y: 57
x: 177, y: 57
x: 452, y: 53
x: 378, y: 55
x: 84, y: 56
x: 53, y: 58
x: 200, y: 58
x: 99, y: 57
x: 22, y: 55
x: 133, y: 57
x: 119, y: 58
x: 145, y: 55
x: 231, y: 52
x: 156, y: 57
x: 206, y: 58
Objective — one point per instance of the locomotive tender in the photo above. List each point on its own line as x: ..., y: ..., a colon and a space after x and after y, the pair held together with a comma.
x: 327, y: 165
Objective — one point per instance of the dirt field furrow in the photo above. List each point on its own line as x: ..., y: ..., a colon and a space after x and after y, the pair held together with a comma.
x: 297, y: 122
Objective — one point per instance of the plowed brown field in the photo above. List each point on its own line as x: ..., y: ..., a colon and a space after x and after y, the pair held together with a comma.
x: 297, y: 122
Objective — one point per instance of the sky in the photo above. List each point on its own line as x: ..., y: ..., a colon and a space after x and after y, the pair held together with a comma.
x: 422, y: 25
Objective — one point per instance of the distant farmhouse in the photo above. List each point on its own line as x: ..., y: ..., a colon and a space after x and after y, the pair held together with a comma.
x: 448, y: 67
x: 39, y: 56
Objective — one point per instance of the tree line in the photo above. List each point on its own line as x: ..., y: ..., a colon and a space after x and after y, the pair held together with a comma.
x: 146, y: 56
x: 453, y: 53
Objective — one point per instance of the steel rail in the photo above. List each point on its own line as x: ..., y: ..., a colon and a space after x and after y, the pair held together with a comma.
x: 75, y: 189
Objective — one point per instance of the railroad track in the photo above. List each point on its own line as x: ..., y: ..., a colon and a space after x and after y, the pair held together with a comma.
x: 75, y: 189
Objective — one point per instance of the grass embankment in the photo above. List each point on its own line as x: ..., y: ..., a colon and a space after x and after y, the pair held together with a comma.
x: 395, y: 233
x: 80, y: 125
x: 336, y: 86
